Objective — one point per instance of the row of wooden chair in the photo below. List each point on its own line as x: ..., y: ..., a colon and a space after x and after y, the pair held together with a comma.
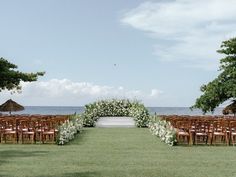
x: 174, y: 118
x: 30, y: 129
x: 203, y: 129
x: 206, y: 131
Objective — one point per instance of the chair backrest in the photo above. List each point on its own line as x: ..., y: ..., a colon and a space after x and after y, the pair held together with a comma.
x: 48, y: 125
x: 183, y: 125
x: 9, y: 124
x: 26, y: 125
x: 220, y: 126
x: 1, y: 124
x: 202, y: 126
x: 232, y: 126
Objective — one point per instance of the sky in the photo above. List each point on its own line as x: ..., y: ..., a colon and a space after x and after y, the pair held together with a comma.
x: 159, y: 52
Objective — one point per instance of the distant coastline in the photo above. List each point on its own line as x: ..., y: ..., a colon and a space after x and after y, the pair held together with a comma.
x: 62, y: 110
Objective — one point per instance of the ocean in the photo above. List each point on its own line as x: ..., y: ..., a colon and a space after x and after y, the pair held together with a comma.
x: 64, y: 110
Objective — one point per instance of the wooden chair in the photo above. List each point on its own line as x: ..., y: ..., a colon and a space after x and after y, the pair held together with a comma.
x: 27, y: 131
x: 48, y: 131
x: 183, y: 132
x: 232, y: 132
x: 220, y: 132
x: 201, y: 132
x: 1, y: 129
x: 9, y: 130
x: 38, y: 128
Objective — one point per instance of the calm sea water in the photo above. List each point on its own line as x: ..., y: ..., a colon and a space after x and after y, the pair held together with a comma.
x: 71, y: 110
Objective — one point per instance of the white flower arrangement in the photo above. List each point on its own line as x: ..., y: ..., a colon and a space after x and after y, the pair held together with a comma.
x: 69, y: 129
x: 115, y: 107
x: 164, y: 130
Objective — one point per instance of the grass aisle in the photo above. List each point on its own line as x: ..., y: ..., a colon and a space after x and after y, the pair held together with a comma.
x: 116, y: 152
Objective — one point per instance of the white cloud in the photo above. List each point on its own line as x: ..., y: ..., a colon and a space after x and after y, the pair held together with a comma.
x: 67, y: 93
x: 186, y: 31
x: 155, y: 92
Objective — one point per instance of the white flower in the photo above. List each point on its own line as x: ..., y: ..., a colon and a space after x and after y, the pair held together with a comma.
x: 68, y: 130
x: 164, y: 131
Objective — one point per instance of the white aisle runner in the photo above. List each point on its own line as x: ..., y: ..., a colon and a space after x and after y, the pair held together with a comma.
x: 108, y: 122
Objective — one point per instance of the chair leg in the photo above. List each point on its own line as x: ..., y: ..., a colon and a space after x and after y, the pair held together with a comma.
x: 190, y: 140
x: 22, y: 138
x: 177, y: 137
x: 206, y: 139
x: 227, y: 140
x: 213, y: 140
x: 42, y: 138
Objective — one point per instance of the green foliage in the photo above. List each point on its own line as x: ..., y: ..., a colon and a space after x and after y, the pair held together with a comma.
x: 164, y: 130
x: 224, y: 86
x: 105, y: 108
x: 68, y: 130
x: 140, y: 114
x: 10, y: 78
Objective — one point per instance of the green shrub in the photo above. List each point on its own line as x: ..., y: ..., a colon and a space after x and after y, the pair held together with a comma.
x: 69, y: 129
x: 140, y: 114
x: 164, y: 130
x: 114, y: 108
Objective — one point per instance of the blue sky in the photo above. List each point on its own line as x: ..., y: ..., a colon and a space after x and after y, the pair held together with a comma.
x: 159, y: 52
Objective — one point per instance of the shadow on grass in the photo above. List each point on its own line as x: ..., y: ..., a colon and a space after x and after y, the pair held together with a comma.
x: 81, y: 174
x: 13, y: 154
x: 78, y: 174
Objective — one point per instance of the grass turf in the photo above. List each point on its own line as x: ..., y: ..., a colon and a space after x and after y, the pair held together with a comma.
x: 116, y: 152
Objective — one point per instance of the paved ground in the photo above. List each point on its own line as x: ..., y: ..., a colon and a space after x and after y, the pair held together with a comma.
x: 110, y: 122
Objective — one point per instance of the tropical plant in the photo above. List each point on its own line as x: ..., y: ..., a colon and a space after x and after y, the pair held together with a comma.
x: 10, y: 78
x: 224, y: 86
x: 115, y: 107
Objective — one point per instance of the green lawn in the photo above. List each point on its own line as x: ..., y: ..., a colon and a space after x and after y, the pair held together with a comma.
x: 114, y: 152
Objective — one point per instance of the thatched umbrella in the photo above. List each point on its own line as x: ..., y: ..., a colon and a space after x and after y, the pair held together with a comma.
x: 230, y: 109
x: 10, y: 106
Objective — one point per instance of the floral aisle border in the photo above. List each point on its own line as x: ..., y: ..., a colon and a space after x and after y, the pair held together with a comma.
x: 115, y: 107
x: 164, y: 130
x: 69, y: 129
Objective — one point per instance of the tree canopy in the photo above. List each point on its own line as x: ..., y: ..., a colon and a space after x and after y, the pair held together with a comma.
x: 224, y: 86
x: 10, y: 78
